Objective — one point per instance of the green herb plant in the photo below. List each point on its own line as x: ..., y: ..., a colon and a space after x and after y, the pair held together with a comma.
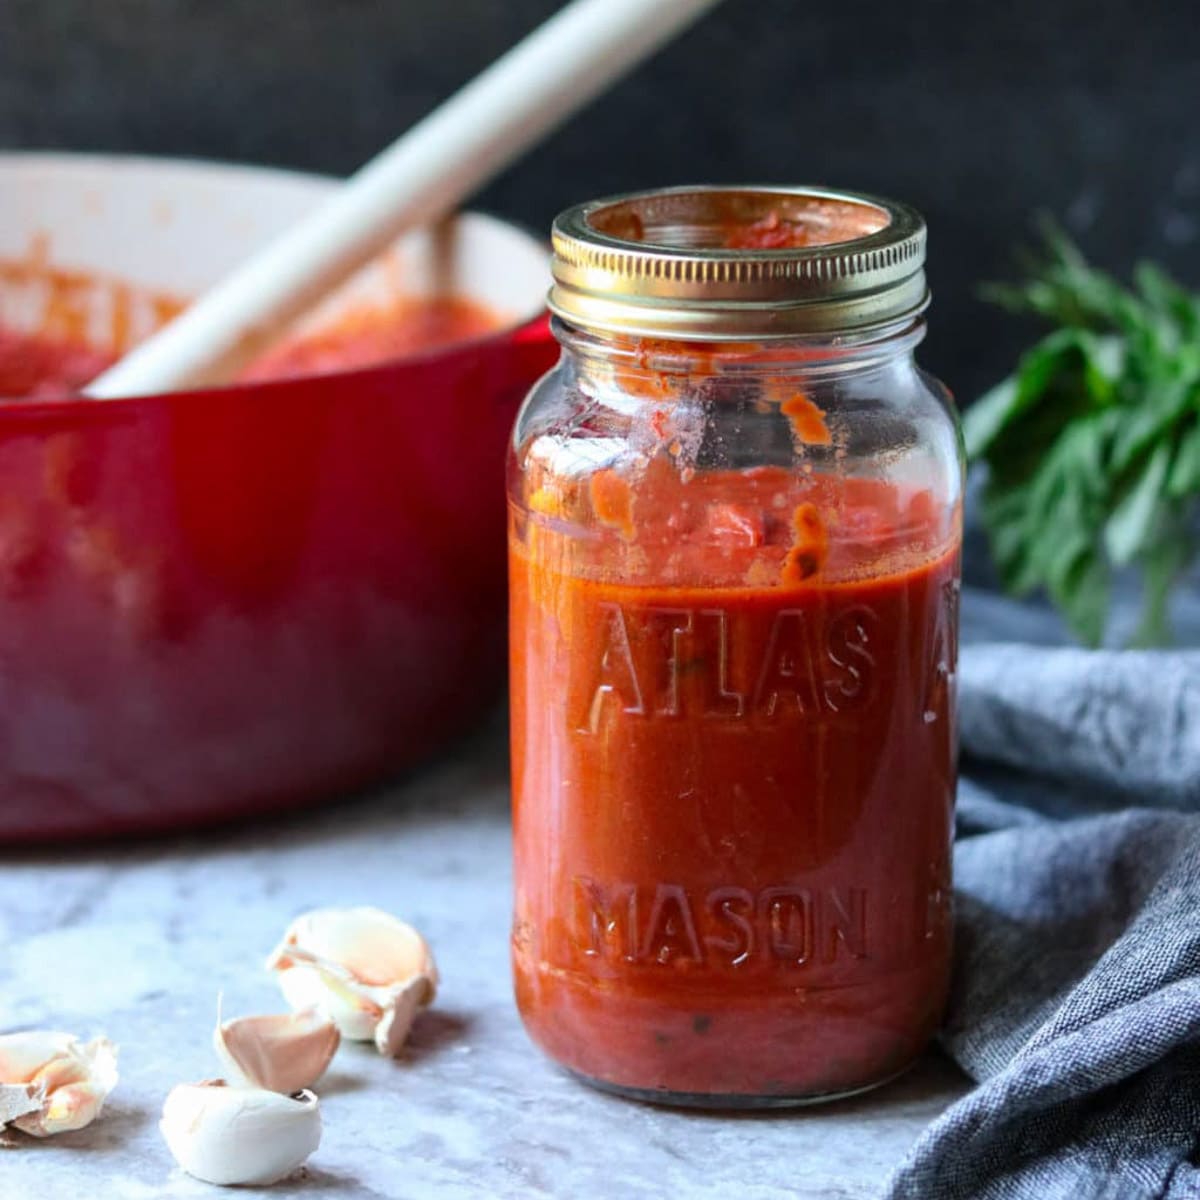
x: 1093, y: 444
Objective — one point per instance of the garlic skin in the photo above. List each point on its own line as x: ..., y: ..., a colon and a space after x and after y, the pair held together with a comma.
x: 65, y: 1081
x: 235, y: 1135
x: 283, y: 1053
x: 17, y: 1100
x: 364, y: 969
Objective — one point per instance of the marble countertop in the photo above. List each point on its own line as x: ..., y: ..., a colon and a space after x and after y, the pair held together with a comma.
x: 136, y: 940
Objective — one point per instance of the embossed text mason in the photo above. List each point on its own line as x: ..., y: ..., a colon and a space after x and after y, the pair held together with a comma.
x: 735, y: 521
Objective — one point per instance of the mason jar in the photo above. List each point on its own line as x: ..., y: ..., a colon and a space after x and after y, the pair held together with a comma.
x: 735, y: 523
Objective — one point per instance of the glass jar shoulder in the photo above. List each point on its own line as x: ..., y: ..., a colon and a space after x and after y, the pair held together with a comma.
x: 726, y: 477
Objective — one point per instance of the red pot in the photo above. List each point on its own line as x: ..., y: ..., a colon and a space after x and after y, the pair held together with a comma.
x: 231, y: 601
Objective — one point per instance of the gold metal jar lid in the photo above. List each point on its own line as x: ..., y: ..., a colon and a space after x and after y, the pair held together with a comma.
x: 672, y: 263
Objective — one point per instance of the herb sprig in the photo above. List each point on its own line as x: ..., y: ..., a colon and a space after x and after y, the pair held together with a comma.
x: 1093, y: 443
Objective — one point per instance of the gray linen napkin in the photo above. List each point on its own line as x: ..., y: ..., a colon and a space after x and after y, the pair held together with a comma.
x: 1076, y: 1002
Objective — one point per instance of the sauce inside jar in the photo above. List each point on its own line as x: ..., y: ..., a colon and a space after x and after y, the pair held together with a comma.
x: 705, y: 905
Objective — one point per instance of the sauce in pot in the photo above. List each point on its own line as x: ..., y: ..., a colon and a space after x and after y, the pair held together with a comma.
x: 45, y: 365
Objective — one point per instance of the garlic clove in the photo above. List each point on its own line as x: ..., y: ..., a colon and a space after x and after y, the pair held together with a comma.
x: 345, y: 1003
x: 363, y: 968
x: 283, y: 1053
x: 23, y: 1055
x: 65, y: 1109
x: 398, y: 1014
x: 234, y: 1135
x: 70, y: 1078
x: 372, y: 946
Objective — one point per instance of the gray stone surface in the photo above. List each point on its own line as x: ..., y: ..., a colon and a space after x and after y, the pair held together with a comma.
x: 135, y: 941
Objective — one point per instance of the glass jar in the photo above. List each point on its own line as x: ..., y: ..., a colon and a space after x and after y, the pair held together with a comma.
x: 735, y: 523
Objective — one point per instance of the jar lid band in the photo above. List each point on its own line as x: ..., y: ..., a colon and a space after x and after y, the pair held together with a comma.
x: 731, y: 263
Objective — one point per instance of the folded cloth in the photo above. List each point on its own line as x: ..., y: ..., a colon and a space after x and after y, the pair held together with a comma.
x: 1076, y: 1001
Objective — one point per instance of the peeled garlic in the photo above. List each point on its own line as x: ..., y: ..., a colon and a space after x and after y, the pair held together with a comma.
x: 284, y: 1053
x: 65, y: 1081
x: 235, y: 1135
x: 362, y: 968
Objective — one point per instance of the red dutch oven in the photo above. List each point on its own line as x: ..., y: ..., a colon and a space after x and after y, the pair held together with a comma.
x: 226, y: 602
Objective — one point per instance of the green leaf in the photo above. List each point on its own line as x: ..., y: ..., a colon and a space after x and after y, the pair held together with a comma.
x: 1132, y: 522
x: 990, y: 414
x: 1065, y: 499
x: 1005, y: 516
x: 1158, y: 409
x: 1082, y: 595
x: 1184, y: 479
x: 1030, y: 522
x: 1097, y: 360
x: 1163, y: 563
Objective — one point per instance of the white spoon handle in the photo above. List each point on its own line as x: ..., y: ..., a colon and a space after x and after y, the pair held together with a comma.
x: 532, y: 89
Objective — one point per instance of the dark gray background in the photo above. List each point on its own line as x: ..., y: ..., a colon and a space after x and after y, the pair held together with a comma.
x: 978, y: 113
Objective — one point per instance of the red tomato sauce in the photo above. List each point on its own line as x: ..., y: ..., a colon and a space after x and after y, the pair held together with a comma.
x: 772, y: 232
x: 704, y: 901
x: 370, y: 335
x: 36, y: 366
x: 43, y: 365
